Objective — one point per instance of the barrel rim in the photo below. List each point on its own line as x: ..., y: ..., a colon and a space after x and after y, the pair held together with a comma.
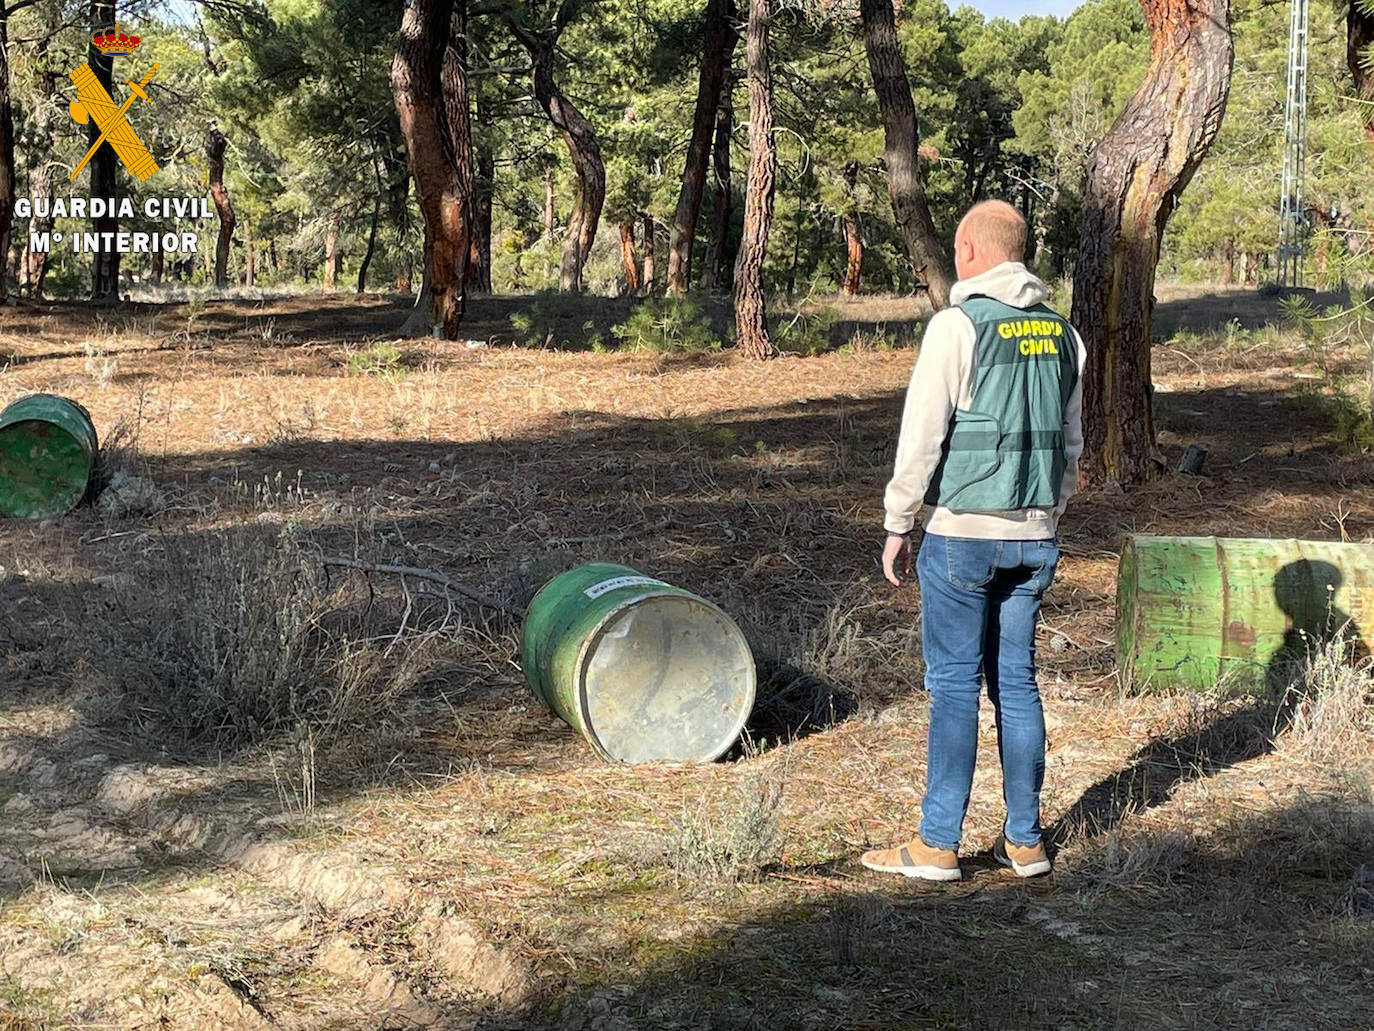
x: 584, y: 658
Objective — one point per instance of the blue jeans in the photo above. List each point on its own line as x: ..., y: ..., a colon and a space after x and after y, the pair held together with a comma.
x: 980, y: 600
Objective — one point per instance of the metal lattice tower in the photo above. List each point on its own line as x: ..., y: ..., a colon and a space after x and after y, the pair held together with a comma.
x: 1292, y: 222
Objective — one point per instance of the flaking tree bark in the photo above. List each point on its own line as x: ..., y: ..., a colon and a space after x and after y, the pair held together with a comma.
x: 650, y: 248
x: 416, y: 83
x: 901, y: 156
x: 751, y: 312
x: 1360, y: 56
x: 629, y: 259
x: 718, y: 46
x: 215, y: 145
x: 1135, y: 177
x: 579, y: 137
x: 456, y: 117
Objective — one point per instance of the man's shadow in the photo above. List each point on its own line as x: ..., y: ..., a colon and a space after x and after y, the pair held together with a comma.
x: 1317, y: 631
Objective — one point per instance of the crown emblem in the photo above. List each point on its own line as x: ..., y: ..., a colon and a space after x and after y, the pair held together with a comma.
x: 115, y: 42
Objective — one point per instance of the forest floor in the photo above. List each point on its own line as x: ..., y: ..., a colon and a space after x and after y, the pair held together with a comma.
x: 456, y: 857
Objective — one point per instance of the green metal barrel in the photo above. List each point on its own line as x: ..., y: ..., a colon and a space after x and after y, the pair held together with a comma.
x: 1199, y: 613
x: 48, y: 448
x: 643, y: 669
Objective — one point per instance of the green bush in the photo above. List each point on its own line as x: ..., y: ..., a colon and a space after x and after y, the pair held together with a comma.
x: 381, y: 359
x: 807, y: 332
x: 667, y: 325
x: 556, y: 320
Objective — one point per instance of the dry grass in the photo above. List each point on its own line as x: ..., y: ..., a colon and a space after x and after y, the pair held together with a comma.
x: 240, y: 637
x: 1332, y: 704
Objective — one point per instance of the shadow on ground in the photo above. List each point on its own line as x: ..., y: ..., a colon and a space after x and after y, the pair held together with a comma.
x: 1210, y: 931
x: 1209, y: 312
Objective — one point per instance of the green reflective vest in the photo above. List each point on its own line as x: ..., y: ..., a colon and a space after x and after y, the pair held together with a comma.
x: 1006, y: 451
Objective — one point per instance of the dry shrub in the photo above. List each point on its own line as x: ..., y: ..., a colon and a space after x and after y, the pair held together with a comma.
x: 1331, y: 700
x: 237, y: 637
x: 1133, y: 858
x: 1358, y: 901
x: 733, y: 844
x: 818, y: 666
x: 1327, y: 833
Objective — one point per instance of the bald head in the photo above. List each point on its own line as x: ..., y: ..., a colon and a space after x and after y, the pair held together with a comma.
x: 992, y: 232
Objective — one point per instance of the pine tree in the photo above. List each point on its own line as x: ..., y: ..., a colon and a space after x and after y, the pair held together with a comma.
x: 1134, y: 177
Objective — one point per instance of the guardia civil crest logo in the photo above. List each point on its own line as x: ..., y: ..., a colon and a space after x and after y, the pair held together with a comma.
x: 93, y: 103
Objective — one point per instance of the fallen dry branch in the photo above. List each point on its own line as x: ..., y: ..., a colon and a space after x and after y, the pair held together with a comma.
x: 432, y: 575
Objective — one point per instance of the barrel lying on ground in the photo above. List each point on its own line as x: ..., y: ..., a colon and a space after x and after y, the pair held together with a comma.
x: 643, y: 669
x: 1203, y: 612
x: 48, y: 449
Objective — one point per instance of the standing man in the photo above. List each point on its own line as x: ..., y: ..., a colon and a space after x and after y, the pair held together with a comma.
x: 990, y: 441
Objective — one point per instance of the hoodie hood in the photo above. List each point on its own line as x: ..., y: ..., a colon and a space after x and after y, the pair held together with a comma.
x: 1010, y: 282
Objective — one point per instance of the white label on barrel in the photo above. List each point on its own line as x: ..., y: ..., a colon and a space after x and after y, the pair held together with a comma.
x: 606, y: 586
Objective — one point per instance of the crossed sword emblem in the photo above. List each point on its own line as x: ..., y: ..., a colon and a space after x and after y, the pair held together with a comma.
x: 93, y: 102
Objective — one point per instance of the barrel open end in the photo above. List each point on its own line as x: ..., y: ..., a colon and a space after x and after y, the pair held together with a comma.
x: 669, y: 677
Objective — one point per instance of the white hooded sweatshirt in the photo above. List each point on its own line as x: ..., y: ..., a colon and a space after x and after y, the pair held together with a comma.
x: 942, y: 382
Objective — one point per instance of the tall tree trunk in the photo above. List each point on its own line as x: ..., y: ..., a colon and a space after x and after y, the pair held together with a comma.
x: 371, y: 229
x: 484, y: 188
x: 585, y: 152
x: 417, y: 88
x: 798, y: 225
x: 6, y: 146
x: 1134, y: 180
x: 905, y: 182
x: 157, y: 267
x: 751, y: 314
x: 718, y: 45
x: 650, y: 245
x: 628, y: 259
x: 331, y: 253
x: 720, y: 263
x: 250, y: 255
x: 104, y: 183
x: 42, y: 173
x: 1360, y: 57
x: 853, y: 242
x: 457, y: 111
x: 580, y: 138
x: 550, y: 207
x: 215, y: 145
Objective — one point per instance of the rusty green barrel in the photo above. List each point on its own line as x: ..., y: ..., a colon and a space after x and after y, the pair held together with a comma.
x: 47, y: 451
x: 1199, y: 613
x: 643, y: 669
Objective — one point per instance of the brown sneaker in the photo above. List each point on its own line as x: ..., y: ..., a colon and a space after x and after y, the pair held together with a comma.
x: 915, y: 859
x: 1024, y: 862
